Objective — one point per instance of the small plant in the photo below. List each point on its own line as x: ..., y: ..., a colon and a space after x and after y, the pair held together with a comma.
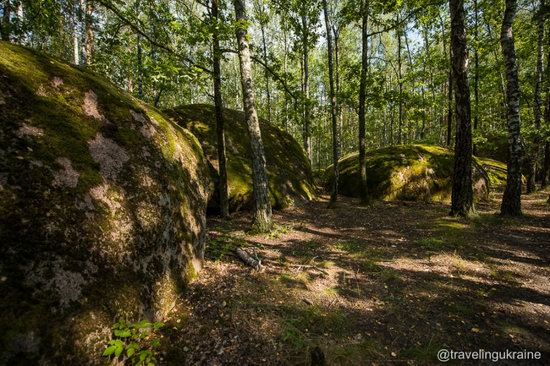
x: 278, y: 231
x: 135, y: 343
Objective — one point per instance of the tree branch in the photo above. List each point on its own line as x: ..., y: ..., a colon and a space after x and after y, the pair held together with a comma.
x: 118, y: 13
x: 270, y: 70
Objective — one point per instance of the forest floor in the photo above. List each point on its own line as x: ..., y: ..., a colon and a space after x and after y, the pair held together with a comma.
x: 393, y: 282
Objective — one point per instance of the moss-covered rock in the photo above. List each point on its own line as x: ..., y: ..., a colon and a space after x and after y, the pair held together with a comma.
x: 288, y: 169
x: 414, y: 172
x: 102, y: 201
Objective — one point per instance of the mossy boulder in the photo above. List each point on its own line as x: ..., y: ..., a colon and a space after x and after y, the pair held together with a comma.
x: 288, y: 169
x: 414, y: 172
x: 103, y: 203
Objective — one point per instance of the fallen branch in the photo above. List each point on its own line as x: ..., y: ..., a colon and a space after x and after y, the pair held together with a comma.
x: 253, y: 262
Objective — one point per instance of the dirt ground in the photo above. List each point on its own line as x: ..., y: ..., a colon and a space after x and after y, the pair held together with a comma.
x: 387, y: 283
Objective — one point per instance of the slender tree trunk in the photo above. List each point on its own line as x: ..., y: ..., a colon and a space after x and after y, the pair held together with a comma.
x: 89, y: 25
x: 476, y: 70
x: 537, y: 104
x: 266, y: 71
x: 139, y: 67
x: 462, y: 194
x: 332, y: 94
x: 218, y: 105
x: 305, y: 87
x: 546, y: 165
x: 6, y: 20
x: 262, y: 220
x: 76, y: 33
x: 363, y: 100
x: 511, y: 200
x: 450, y: 102
x: 400, y: 82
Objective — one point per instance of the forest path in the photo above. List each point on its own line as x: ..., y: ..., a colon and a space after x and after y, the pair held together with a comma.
x: 391, y: 282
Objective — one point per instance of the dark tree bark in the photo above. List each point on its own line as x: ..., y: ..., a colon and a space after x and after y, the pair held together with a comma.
x: 332, y: 94
x: 535, y: 152
x: 218, y: 105
x: 511, y: 200
x: 262, y: 220
x: 363, y: 100
x: 462, y: 194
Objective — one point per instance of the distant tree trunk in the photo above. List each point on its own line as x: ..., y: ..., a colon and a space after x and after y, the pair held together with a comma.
x: 546, y: 165
x: 363, y: 100
x: 139, y: 67
x: 462, y: 194
x: 89, y: 25
x: 450, y: 102
x: 76, y: 33
x: 335, y: 139
x: 476, y: 71
x: 262, y: 220
x: 305, y: 87
x: 218, y: 104
x: 6, y: 20
x: 537, y: 104
x: 266, y: 71
x: 511, y: 200
x: 400, y: 82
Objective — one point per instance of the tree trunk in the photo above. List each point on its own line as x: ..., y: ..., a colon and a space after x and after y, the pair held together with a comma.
x: 476, y: 71
x: 511, y: 200
x: 305, y: 87
x: 76, y: 33
x: 89, y: 25
x: 546, y: 165
x: 139, y: 67
x: 462, y: 193
x: 266, y: 72
x: 6, y: 20
x: 332, y: 94
x: 362, y: 101
x: 218, y: 104
x: 450, y: 102
x: 262, y: 221
x: 400, y: 82
x: 537, y: 104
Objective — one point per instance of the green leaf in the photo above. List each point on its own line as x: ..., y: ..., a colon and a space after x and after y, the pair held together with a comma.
x: 119, y: 350
x: 123, y: 333
x: 109, y: 351
x: 130, y: 352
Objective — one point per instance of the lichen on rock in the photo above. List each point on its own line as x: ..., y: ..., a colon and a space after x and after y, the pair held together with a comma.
x: 99, y: 220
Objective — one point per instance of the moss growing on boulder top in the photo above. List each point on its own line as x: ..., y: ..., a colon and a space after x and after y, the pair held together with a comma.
x: 288, y: 170
x: 103, y: 205
x: 413, y: 172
